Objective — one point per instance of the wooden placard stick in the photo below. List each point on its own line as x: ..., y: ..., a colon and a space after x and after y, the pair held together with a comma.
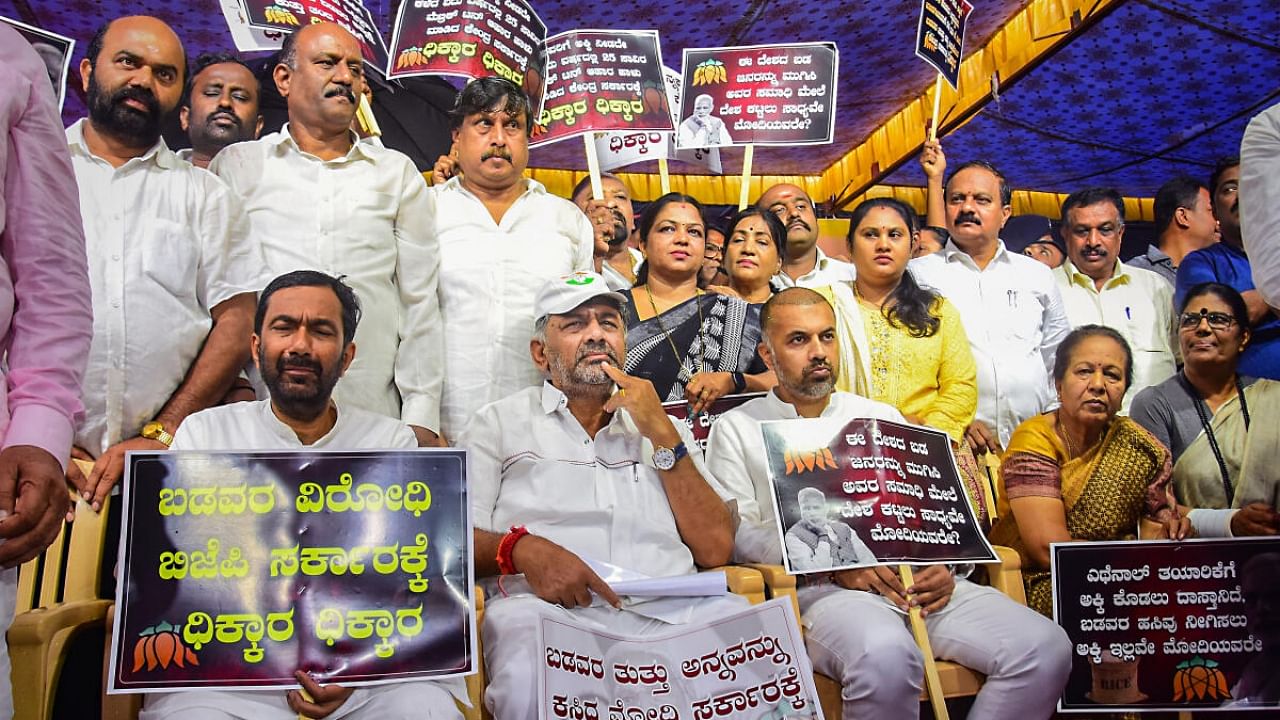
x: 931, y: 679
x: 746, y: 177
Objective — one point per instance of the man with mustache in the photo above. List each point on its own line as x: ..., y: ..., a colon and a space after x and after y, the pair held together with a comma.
x: 221, y: 107
x: 855, y: 619
x: 613, y: 219
x: 805, y: 265
x: 320, y: 199
x: 502, y: 237
x: 1011, y: 309
x: 587, y: 480
x: 1228, y: 263
x: 1099, y: 289
x: 303, y: 342
x: 172, y: 269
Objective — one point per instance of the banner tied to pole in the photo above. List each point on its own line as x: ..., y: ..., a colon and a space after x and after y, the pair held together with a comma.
x: 471, y: 39
x: 872, y: 493
x: 236, y: 569
x: 750, y: 662
x: 600, y: 80
x: 1169, y: 626
x: 759, y: 94
x: 290, y: 15
x: 940, y: 36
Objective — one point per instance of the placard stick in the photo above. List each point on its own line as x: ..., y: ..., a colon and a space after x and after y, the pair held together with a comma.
x: 664, y: 173
x: 593, y: 166
x: 937, y: 108
x: 746, y: 177
x: 931, y: 680
x: 364, y: 115
x: 1184, y: 716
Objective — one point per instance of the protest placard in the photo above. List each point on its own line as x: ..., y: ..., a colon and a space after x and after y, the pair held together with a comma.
x: 600, y: 80
x: 700, y: 424
x: 746, y: 664
x: 236, y: 569
x: 290, y: 15
x: 874, y: 492
x: 759, y: 94
x: 940, y: 36
x: 1159, y: 626
x: 619, y: 149
x: 471, y: 39
x: 54, y: 50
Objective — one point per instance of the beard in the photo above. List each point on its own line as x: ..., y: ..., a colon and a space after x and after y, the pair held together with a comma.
x: 111, y: 115
x: 211, y: 136
x: 582, y: 377
x: 806, y: 385
x: 303, y: 401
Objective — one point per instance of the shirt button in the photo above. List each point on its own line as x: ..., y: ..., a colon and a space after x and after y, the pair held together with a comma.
x: 115, y: 303
x: 115, y: 256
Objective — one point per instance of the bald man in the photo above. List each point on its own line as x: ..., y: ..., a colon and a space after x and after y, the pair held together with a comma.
x: 319, y: 200
x: 172, y: 272
x: 805, y: 265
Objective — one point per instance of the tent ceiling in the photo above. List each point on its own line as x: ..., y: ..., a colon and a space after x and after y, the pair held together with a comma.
x: 1154, y: 88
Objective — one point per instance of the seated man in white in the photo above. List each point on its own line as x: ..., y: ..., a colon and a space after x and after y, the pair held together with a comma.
x: 302, y: 344
x: 855, y: 620
x: 572, y: 471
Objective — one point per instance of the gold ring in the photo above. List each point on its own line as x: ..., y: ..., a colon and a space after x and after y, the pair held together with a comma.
x: 622, y: 392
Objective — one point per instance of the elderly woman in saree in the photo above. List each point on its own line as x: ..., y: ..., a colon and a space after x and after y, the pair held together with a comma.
x: 1208, y: 414
x: 691, y: 344
x: 900, y: 343
x: 1082, y: 472
x: 753, y: 253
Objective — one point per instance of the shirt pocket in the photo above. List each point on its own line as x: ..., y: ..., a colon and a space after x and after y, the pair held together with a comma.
x: 170, y: 253
x: 1019, y: 314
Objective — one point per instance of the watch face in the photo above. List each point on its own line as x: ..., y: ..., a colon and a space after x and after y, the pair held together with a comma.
x: 664, y: 458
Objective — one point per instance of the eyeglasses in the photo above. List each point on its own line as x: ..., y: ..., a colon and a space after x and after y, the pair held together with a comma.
x: 1217, y: 320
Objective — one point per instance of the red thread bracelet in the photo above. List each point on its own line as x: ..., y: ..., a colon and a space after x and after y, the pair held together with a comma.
x: 506, y: 548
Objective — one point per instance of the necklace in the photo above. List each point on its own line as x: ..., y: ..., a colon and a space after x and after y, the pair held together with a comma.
x: 1066, y: 436
x: 701, y: 346
x: 1202, y: 411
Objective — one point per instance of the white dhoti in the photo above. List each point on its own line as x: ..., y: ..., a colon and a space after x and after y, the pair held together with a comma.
x: 418, y: 700
x: 861, y: 640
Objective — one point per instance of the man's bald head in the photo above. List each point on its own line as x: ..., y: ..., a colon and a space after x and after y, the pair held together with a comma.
x: 156, y: 27
x: 320, y: 74
x: 133, y: 77
x: 791, y: 297
x: 793, y: 206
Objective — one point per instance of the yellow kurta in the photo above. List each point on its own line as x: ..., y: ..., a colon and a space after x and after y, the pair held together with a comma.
x: 933, y: 378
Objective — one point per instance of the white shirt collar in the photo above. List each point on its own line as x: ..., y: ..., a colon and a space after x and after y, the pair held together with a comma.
x: 284, y: 139
x: 159, y: 154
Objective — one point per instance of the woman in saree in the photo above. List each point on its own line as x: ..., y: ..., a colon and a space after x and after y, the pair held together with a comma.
x: 691, y: 344
x: 753, y: 253
x: 1081, y: 472
x: 1208, y: 414
x: 900, y: 343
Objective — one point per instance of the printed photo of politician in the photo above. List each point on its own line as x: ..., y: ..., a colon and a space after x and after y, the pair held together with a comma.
x: 818, y: 543
x: 702, y: 129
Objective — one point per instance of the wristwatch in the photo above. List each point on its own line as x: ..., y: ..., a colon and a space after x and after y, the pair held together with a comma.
x: 155, y: 431
x: 666, y: 458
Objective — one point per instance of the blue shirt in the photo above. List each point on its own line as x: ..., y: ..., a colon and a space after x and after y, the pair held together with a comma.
x: 1224, y: 264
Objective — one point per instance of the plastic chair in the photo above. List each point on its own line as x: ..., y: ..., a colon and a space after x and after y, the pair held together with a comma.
x: 57, y: 596
x: 957, y: 680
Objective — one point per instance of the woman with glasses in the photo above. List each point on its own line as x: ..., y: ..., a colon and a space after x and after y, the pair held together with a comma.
x: 1220, y: 426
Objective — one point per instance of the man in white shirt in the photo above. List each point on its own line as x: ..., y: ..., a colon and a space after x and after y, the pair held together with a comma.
x: 571, y: 472
x: 1011, y: 308
x: 172, y: 270
x: 805, y: 265
x: 855, y: 620
x: 1099, y: 289
x: 613, y: 220
x: 502, y: 237
x: 302, y: 344
x: 319, y: 199
x: 221, y: 107
x: 1260, y: 201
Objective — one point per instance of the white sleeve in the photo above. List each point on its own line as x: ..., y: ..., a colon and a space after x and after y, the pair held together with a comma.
x: 755, y: 540
x: 1260, y: 201
x: 482, y: 439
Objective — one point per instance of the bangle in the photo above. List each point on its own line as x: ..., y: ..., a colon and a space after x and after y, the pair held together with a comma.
x: 507, y: 546
x: 739, y: 382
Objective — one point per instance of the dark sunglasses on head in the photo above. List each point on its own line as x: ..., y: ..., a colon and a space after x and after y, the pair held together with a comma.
x: 1217, y: 320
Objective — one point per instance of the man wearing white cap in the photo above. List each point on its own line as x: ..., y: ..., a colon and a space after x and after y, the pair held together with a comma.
x: 571, y: 481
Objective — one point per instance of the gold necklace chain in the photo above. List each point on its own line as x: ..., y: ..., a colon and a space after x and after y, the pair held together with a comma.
x: 702, y: 350
x: 1066, y: 436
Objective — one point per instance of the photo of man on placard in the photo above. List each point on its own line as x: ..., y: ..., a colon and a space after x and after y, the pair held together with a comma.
x: 55, y: 50
x: 818, y: 542
x: 702, y: 129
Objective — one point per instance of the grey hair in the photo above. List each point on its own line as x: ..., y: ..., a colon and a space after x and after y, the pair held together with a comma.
x: 810, y: 491
x: 540, y: 329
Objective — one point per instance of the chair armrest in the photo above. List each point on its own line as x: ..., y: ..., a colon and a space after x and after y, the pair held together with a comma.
x: 779, y: 584
x: 744, y: 581
x: 1007, y: 576
x: 38, y: 626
